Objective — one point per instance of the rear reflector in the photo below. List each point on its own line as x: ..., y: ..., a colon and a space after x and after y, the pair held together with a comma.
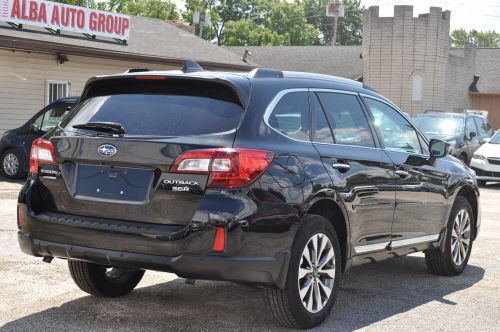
x: 220, y: 239
x: 42, y: 152
x: 227, y: 168
x: 20, y: 217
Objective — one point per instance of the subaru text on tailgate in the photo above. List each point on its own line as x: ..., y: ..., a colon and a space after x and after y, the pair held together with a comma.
x: 279, y: 179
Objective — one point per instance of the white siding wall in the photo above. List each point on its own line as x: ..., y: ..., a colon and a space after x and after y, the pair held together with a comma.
x: 23, y: 76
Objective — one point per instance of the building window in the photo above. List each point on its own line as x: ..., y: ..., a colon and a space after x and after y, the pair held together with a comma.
x: 55, y: 90
x: 417, y: 88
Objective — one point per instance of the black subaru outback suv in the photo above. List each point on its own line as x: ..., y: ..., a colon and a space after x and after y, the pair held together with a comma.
x: 280, y: 179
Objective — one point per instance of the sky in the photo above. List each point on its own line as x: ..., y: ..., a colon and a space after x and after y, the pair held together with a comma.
x: 475, y: 14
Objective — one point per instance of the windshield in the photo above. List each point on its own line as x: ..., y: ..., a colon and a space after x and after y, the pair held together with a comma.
x: 496, y: 138
x: 170, y: 113
x: 434, y: 125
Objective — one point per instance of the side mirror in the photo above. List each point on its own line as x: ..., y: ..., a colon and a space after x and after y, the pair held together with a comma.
x: 472, y: 134
x: 438, y: 148
x: 485, y: 140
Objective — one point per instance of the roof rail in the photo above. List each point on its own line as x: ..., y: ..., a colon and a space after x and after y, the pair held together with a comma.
x: 266, y: 73
x: 191, y: 66
x: 136, y: 70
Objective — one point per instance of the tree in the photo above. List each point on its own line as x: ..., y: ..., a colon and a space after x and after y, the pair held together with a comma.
x: 248, y: 32
x: 81, y: 3
x: 349, y: 28
x: 489, y: 38
x: 255, y: 22
x: 160, y: 9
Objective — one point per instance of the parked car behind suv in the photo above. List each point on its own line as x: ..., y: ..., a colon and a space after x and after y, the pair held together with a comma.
x: 465, y: 132
x: 279, y: 179
x: 486, y: 161
x: 15, y: 144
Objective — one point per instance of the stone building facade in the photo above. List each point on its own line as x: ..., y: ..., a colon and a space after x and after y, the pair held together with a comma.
x: 408, y: 59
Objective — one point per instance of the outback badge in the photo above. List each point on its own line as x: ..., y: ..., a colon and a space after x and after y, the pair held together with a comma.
x: 107, y: 150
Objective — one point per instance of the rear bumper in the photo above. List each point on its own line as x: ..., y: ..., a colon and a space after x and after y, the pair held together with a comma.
x: 270, y: 271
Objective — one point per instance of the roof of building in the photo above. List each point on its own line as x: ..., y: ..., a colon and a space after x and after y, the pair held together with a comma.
x: 343, y: 61
x: 487, y: 67
x: 151, y: 40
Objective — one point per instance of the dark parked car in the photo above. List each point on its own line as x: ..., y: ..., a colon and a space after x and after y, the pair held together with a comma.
x: 15, y: 144
x: 280, y: 179
x: 465, y: 132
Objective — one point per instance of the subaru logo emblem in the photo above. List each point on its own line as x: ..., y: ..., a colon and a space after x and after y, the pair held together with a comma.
x: 107, y: 150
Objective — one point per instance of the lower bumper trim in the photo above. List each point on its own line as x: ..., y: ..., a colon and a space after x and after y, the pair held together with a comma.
x: 258, y: 270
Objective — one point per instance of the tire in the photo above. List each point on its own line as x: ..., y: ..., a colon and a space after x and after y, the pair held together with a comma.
x: 103, y: 281
x: 447, y: 263
x: 12, y: 165
x: 286, y: 304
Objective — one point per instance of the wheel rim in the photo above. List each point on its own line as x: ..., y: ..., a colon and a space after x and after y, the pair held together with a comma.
x: 316, y: 273
x: 460, y: 237
x: 10, y: 164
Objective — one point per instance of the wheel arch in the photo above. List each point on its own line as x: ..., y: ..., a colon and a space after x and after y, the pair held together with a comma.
x: 337, y: 216
x: 470, y: 194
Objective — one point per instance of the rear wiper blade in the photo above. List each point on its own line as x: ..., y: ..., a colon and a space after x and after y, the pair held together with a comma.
x: 105, y: 127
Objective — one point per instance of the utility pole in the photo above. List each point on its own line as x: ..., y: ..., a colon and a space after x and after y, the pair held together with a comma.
x: 335, y: 10
x: 202, y: 17
x: 335, y: 22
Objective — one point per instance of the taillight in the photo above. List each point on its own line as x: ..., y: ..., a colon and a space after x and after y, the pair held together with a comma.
x: 42, y: 152
x: 227, y: 168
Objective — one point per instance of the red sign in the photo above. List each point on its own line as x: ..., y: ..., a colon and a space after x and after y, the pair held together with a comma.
x: 60, y: 16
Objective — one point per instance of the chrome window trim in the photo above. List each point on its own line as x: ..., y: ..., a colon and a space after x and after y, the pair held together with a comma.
x: 389, y: 103
x: 367, y: 248
x: 272, y: 105
x: 349, y: 146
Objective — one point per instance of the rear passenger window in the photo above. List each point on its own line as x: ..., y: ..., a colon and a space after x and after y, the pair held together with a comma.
x: 290, y: 116
x: 481, y: 126
x: 321, y: 127
x: 349, y: 123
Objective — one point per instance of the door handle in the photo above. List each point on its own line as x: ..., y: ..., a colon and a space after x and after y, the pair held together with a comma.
x: 402, y: 174
x: 341, y: 166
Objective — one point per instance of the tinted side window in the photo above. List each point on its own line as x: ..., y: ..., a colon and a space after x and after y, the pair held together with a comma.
x: 321, y: 128
x: 290, y: 116
x: 482, y: 127
x: 470, y: 127
x: 53, y: 116
x: 348, y: 121
x: 396, y: 132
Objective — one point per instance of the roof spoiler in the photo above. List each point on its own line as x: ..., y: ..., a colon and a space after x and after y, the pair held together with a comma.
x: 191, y: 66
x: 266, y: 73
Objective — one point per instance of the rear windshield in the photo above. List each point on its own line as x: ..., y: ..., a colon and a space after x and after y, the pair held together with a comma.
x: 161, y: 108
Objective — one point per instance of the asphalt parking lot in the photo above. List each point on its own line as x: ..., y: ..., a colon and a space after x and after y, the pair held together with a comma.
x: 391, y: 296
